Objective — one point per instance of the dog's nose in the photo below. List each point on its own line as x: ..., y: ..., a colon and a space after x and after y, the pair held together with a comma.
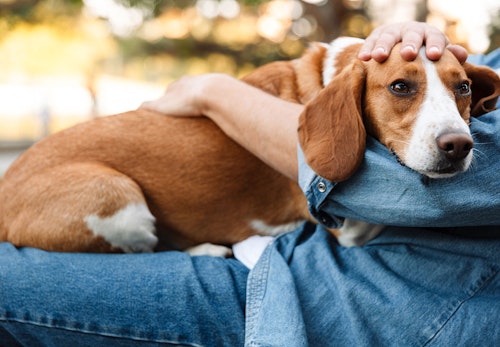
x: 455, y: 146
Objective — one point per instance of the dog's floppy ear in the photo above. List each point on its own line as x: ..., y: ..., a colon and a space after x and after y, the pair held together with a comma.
x: 331, y: 131
x: 485, y: 88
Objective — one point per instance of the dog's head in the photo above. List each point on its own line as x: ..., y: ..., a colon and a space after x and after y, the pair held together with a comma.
x: 420, y: 110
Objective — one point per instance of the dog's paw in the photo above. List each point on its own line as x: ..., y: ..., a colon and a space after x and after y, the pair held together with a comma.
x: 210, y: 249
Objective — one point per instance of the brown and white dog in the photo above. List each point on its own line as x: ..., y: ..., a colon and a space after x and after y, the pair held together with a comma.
x: 141, y: 181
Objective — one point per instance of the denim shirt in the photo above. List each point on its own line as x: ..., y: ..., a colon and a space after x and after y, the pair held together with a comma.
x: 400, y: 196
x: 412, y: 286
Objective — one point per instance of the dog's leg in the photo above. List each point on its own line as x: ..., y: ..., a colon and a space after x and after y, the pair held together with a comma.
x: 78, y: 207
x: 210, y: 249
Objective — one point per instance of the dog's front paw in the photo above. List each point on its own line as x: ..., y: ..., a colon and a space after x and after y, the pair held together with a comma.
x: 210, y: 249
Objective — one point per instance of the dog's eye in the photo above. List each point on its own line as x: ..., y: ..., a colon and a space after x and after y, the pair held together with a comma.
x: 464, y: 88
x: 400, y: 88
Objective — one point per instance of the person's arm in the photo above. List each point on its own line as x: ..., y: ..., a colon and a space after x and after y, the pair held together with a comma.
x: 263, y: 124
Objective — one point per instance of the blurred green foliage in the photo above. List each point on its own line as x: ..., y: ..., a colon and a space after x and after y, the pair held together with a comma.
x: 329, y: 20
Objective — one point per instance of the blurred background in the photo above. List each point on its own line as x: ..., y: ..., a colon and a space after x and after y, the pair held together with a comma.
x: 66, y: 61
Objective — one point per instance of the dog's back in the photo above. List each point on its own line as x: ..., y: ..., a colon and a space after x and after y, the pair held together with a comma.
x: 91, y: 179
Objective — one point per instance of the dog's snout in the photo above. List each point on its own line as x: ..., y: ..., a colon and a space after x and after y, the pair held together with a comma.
x: 456, y: 145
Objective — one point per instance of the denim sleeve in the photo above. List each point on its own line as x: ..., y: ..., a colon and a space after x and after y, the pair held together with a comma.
x: 492, y: 59
x: 384, y: 192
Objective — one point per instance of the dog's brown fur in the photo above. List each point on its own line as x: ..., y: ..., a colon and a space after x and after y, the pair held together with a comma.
x: 200, y: 185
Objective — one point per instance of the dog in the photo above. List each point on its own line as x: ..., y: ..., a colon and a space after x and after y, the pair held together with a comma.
x: 141, y: 181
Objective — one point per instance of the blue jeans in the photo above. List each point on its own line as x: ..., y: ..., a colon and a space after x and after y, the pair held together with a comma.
x: 408, y: 287
x: 57, y: 299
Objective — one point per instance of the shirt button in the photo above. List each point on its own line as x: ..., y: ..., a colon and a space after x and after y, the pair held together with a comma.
x: 321, y: 187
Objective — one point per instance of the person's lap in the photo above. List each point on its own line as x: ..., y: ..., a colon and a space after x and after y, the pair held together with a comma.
x: 406, y: 287
x: 171, y: 298
x: 86, y: 299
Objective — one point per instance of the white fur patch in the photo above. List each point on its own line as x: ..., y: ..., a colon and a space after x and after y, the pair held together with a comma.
x: 274, y: 230
x: 336, y: 46
x: 209, y: 249
x: 356, y: 233
x: 437, y: 115
x: 131, y: 229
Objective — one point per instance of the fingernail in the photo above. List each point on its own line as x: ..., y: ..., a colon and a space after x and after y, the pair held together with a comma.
x: 363, y: 53
x: 434, y: 49
x: 410, y: 48
x: 380, y: 50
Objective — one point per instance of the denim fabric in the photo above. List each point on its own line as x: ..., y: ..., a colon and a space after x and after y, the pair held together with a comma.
x: 492, y: 59
x: 408, y: 287
x: 405, y: 288
x: 162, y: 299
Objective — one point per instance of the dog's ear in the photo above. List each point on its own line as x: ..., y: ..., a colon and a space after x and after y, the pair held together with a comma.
x: 485, y: 88
x: 331, y: 131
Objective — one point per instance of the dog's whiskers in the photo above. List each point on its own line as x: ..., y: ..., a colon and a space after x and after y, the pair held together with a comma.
x: 476, y: 153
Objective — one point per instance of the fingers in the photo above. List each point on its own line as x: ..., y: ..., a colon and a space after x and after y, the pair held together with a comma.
x: 179, y: 99
x: 379, y: 43
x: 188, y: 96
x: 161, y: 104
x: 150, y: 105
x: 412, y: 35
x: 435, y: 42
x: 412, y: 39
x: 459, y: 52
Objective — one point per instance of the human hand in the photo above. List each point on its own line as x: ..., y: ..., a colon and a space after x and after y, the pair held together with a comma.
x: 413, y: 36
x: 183, y: 97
